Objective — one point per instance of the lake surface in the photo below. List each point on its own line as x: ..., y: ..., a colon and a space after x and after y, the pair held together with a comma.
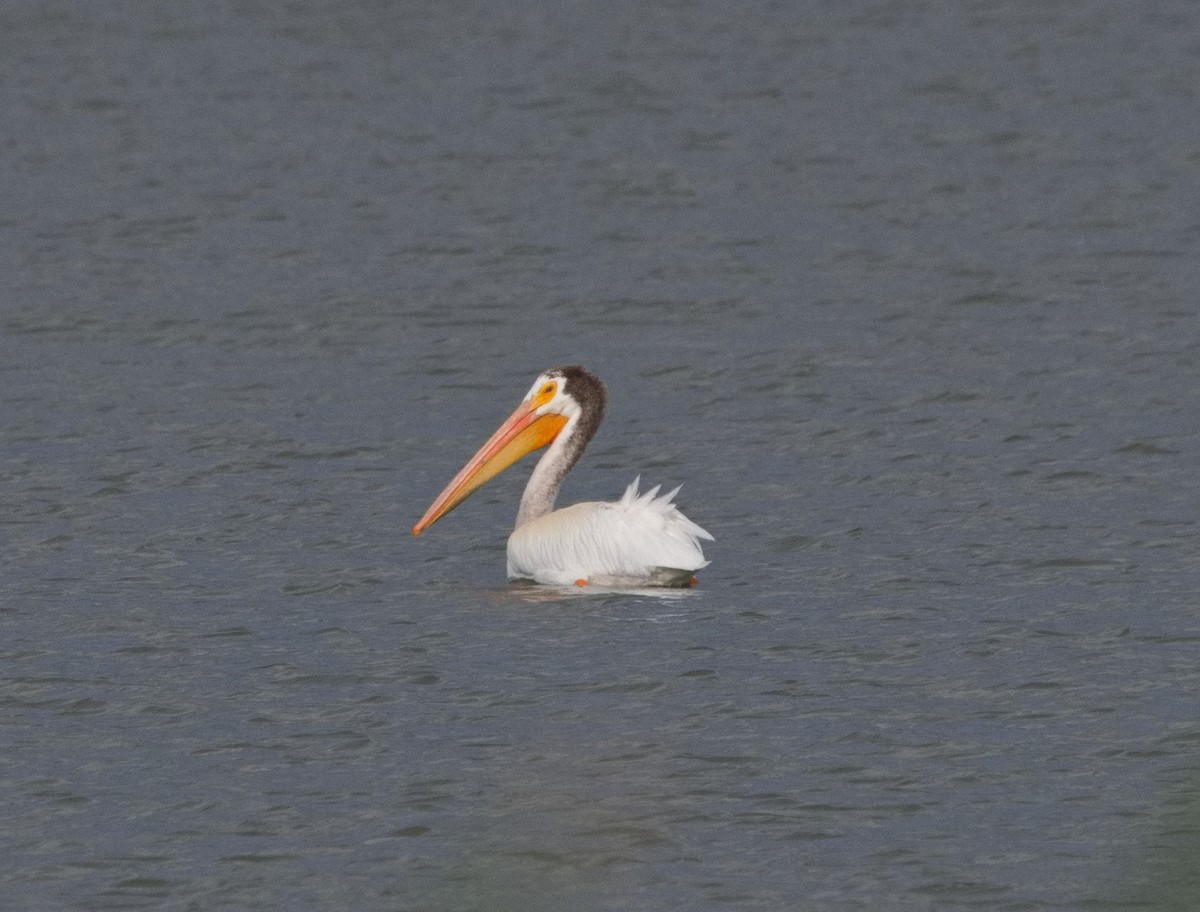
x: 903, y: 294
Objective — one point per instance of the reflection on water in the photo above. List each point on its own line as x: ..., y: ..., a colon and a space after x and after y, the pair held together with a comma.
x: 534, y: 593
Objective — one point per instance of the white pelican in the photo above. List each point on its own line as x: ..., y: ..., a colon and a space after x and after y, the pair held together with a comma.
x: 641, y: 540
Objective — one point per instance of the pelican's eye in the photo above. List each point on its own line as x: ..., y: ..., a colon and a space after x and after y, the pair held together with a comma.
x: 544, y: 393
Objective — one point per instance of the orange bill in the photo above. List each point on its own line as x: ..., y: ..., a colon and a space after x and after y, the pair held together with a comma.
x: 523, y: 432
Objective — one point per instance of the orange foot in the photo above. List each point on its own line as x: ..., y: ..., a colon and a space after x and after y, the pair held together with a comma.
x: 693, y: 582
x: 581, y: 582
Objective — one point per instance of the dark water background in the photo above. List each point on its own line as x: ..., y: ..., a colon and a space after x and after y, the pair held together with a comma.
x: 904, y: 293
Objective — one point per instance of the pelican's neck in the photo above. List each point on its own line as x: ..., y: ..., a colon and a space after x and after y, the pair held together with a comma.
x: 548, y: 474
x: 587, y: 393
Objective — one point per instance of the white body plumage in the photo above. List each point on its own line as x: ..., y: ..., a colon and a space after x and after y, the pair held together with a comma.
x: 640, y: 540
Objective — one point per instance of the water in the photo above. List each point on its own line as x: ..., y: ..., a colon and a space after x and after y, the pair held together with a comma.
x: 903, y: 294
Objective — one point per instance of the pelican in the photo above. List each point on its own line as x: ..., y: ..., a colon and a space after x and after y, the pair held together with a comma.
x: 641, y: 540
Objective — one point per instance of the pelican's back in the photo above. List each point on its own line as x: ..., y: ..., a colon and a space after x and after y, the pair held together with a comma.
x: 642, y: 539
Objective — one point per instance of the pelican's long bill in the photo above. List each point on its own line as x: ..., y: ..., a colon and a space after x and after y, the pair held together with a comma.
x: 524, y: 431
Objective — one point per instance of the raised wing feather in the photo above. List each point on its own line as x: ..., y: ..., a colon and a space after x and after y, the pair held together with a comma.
x: 640, y: 539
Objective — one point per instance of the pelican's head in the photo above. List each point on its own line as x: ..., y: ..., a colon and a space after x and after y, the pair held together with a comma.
x: 558, y: 399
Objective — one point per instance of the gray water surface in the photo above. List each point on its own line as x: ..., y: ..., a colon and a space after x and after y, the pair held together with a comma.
x: 903, y: 294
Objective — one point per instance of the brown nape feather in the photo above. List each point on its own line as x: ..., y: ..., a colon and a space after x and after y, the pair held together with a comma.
x: 586, y: 389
